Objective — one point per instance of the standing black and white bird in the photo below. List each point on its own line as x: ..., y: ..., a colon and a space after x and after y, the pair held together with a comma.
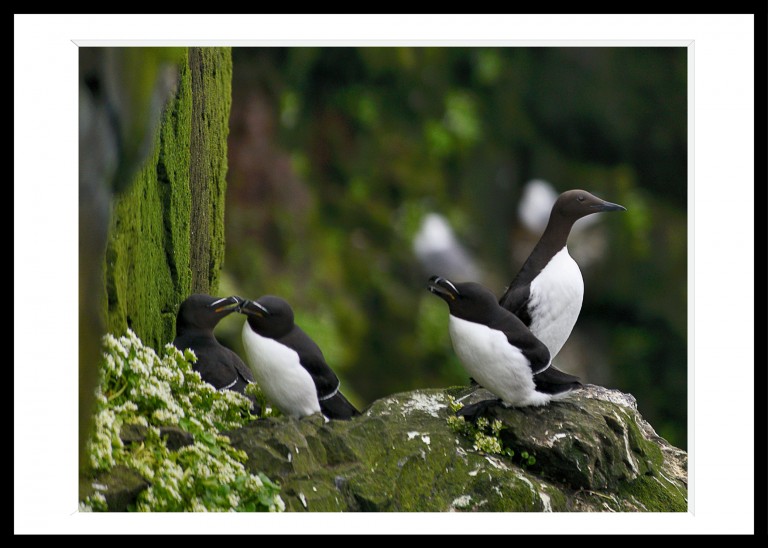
x: 548, y: 291
x: 497, y: 349
x: 218, y: 365
x: 287, y: 364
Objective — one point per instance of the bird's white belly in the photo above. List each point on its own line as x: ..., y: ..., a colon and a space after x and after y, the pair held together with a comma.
x: 498, y: 366
x: 556, y: 297
x: 279, y: 373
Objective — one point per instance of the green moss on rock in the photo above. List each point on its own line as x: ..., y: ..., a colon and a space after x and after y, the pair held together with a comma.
x: 166, y: 238
x: 656, y: 493
x: 211, y: 82
x: 401, y: 456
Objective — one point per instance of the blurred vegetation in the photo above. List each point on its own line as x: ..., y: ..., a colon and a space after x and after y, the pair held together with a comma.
x: 336, y: 154
x: 121, y: 96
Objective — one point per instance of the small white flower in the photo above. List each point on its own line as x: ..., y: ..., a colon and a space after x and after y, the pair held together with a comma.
x: 198, y: 506
x: 278, y: 505
x: 233, y: 499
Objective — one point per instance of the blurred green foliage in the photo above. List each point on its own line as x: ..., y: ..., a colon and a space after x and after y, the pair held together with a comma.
x: 336, y: 154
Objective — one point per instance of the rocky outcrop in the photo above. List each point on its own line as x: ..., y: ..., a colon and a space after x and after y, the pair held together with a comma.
x: 590, y: 452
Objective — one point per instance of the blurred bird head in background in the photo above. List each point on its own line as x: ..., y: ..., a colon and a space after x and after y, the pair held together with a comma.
x: 438, y: 250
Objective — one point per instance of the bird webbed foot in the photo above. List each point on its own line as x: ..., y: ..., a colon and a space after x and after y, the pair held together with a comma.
x: 474, y: 411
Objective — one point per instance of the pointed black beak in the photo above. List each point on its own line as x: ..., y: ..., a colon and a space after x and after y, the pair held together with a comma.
x: 227, y: 304
x: 252, y: 308
x: 608, y: 206
x: 443, y: 288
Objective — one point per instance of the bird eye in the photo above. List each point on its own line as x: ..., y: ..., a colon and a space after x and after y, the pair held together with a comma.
x: 580, y: 198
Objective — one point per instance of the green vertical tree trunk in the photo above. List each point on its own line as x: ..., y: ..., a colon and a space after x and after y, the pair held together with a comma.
x: 166, y: 235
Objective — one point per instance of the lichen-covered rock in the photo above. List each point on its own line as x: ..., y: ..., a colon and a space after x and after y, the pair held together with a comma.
x: 593, y: 452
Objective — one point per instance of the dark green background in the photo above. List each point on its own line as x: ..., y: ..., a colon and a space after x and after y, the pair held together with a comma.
x: 336, y: 154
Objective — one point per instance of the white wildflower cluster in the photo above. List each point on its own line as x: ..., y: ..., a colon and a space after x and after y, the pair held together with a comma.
x: 115, y: 346
x: 105, y: 440
x: 113, y: 366
x: 95, y: 503
x: 139, y: 387
x: 196, y: 479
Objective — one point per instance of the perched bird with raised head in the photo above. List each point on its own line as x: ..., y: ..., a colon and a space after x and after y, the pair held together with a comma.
x: 218, y: 365
x: 498, y: 350
x: 288, y: 365
x: 548, y: 291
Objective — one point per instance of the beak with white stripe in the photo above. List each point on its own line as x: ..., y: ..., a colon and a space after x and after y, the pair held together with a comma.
x: 226, y: 304
x: 443, y: 288
x: 253, y: 308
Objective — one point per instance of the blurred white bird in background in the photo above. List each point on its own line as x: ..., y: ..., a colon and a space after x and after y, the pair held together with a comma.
x: 440, y: 253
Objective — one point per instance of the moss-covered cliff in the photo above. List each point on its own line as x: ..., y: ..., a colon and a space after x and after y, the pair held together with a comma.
x: 166, y: 237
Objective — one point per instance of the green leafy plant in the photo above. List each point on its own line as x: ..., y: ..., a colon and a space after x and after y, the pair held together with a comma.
x: 485, y: 436
x: 139, y: 387
x: 267, y: 410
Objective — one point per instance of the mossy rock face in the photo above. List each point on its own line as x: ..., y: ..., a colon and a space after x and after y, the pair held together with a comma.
x: 582, y: 441
x: 166, y: 237
x: 593, y: 452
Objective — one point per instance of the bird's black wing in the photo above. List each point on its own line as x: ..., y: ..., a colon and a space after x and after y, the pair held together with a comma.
x: 241, y: 375
x: 217, y: 364
x: 242, y: 378
x: 220, y: 367
x: 516, y: 299
x: 333, y: 404
x: 313, y: 361
x: 242, y: 370
x: 338, y: 407
x: 554, y: 381
x: 520, y: 336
